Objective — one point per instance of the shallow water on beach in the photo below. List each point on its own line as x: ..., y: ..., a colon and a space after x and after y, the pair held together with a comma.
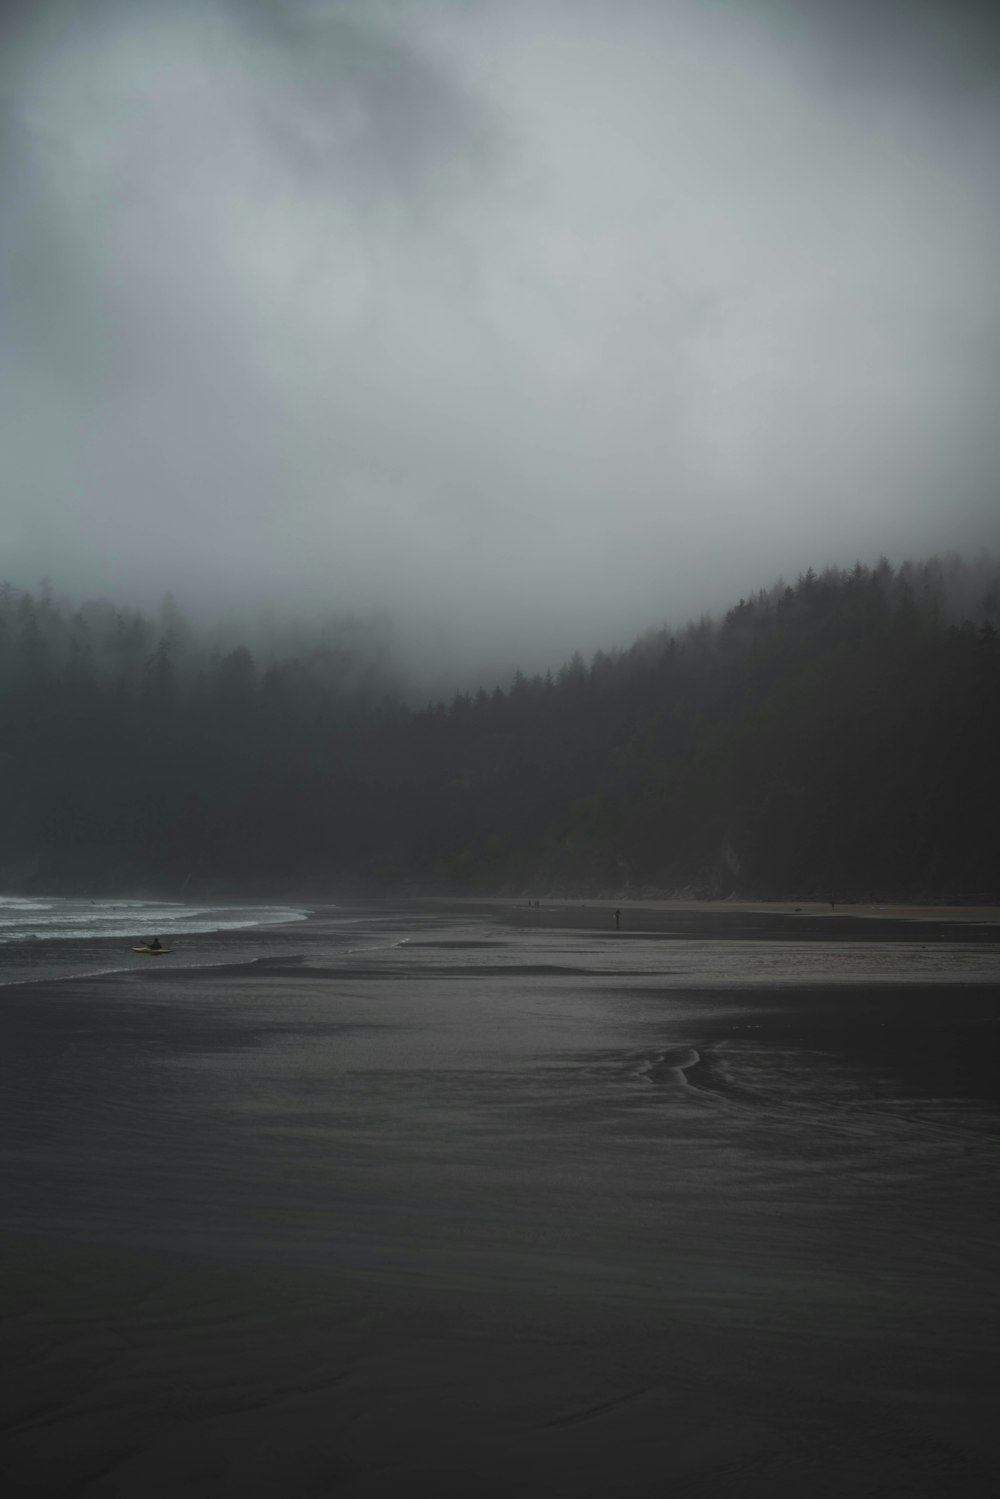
x: 54, y: 937
x: 509, y: 1203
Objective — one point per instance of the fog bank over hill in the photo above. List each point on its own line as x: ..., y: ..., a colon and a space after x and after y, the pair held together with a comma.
x: 833, y: 739
x: 530, y: 324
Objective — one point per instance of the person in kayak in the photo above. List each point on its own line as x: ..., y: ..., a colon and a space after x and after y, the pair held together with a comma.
x: 155, y: 945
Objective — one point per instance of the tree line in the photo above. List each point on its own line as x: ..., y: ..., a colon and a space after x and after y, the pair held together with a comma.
x: 836, y: 737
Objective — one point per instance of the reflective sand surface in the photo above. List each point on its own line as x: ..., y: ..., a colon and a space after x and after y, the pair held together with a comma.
x: 508, y: 1202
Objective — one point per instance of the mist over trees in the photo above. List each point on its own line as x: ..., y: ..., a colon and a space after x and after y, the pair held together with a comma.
x: 834, y: 738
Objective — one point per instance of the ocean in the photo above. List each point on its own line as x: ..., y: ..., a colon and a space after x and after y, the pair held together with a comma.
x: 48, y: 937
x: 471, y: 1199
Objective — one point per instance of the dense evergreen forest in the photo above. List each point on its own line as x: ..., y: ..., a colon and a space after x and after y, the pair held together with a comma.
x: 836, y: 738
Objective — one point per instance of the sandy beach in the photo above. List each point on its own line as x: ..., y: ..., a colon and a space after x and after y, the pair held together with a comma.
x: 483, y: 1198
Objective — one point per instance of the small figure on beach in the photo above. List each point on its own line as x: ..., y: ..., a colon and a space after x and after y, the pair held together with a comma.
x: 618, y: 920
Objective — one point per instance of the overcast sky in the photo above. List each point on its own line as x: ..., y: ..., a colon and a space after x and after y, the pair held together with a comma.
x: 537, y: 323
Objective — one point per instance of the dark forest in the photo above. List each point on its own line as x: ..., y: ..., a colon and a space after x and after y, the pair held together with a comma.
x: 835, y: 739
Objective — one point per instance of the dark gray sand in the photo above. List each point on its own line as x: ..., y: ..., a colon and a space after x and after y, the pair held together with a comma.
x: 478, y: 1201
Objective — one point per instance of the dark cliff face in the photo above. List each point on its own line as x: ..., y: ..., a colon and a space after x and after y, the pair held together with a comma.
x: 835, y: 739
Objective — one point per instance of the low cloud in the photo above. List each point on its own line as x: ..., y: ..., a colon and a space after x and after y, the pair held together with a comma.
x: 534, y: 325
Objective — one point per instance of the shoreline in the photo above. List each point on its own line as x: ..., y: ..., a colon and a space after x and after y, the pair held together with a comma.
x: 885, y: 910
x: 344, y: 899
x: 92, y: 958
x: 296, y: 941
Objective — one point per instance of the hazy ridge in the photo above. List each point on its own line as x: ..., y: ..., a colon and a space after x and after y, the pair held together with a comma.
x: 834, y: 738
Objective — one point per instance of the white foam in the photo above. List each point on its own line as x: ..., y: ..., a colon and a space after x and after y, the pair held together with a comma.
x: 24, y: 920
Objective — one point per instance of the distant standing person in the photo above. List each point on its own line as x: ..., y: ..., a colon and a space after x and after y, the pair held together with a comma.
x: 618, y: 920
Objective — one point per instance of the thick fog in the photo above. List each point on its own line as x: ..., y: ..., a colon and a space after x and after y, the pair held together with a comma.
x: 533, y: 323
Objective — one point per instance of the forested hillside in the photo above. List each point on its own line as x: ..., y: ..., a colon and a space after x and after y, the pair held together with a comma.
x: 837, y: 738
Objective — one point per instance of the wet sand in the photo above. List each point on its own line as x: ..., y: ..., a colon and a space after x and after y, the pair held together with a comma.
x: 796, y: 920
x: 471, y: 1199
